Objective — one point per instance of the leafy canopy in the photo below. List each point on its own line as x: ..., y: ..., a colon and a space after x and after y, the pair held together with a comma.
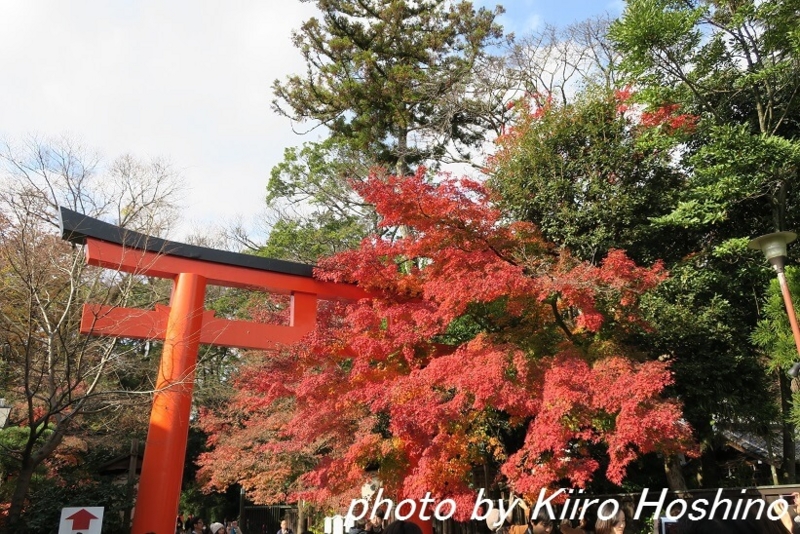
x: 482, y: 343
x: 392, y: 77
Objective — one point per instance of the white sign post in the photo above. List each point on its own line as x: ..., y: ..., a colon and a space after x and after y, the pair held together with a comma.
x: 86, y: 520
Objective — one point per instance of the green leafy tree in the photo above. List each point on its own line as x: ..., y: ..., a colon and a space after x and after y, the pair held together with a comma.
x: 773, y: 332
x: 735, y: 66
x: 394, y: 77
x: 594, y: 173
x: 318, y: 213
x: 396, y: 84
x: 588, y: 176
x: 773, y: 335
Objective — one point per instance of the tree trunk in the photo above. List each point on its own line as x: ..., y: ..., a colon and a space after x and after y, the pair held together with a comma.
x: 301, y: 517
x: 788, y: 467
x: 674, y: 472
x: 771, y: 457
x: 708, y: 474
x: 402, y: 153
x: 30, y: 461
x: 133, y: 462
x: 22, y: 483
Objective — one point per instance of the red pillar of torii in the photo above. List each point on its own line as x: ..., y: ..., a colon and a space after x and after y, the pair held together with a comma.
x: 183, y: 326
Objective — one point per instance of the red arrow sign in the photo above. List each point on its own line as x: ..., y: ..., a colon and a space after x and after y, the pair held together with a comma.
x: 81, y: 519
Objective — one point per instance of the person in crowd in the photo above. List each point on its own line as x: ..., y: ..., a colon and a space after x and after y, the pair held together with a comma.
x: 285, y: 529
x: 233, y: 528
x: 614, y: 525
x: 541, y: 523
x: 374, y: 525
x: 359, y: 527
x: 217, y: 528
x: 197, y: 526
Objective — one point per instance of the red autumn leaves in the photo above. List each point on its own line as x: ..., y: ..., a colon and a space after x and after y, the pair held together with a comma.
x: 483, y: 344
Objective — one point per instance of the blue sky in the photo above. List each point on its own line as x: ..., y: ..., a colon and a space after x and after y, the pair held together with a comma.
x: 524, y: 16
x: 185, y: 80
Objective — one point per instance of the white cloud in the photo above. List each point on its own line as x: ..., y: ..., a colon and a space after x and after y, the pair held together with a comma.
x: 186, y: 80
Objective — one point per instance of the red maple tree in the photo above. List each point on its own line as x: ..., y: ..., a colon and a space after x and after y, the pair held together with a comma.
x: 482, y: 344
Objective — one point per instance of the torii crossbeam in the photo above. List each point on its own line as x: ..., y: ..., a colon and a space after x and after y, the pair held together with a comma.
x: 183, y: 326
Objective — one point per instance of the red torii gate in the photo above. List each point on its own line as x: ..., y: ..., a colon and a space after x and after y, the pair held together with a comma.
x: 183, y: 326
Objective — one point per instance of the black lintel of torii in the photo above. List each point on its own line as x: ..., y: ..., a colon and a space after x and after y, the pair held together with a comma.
x: 76, y: 227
